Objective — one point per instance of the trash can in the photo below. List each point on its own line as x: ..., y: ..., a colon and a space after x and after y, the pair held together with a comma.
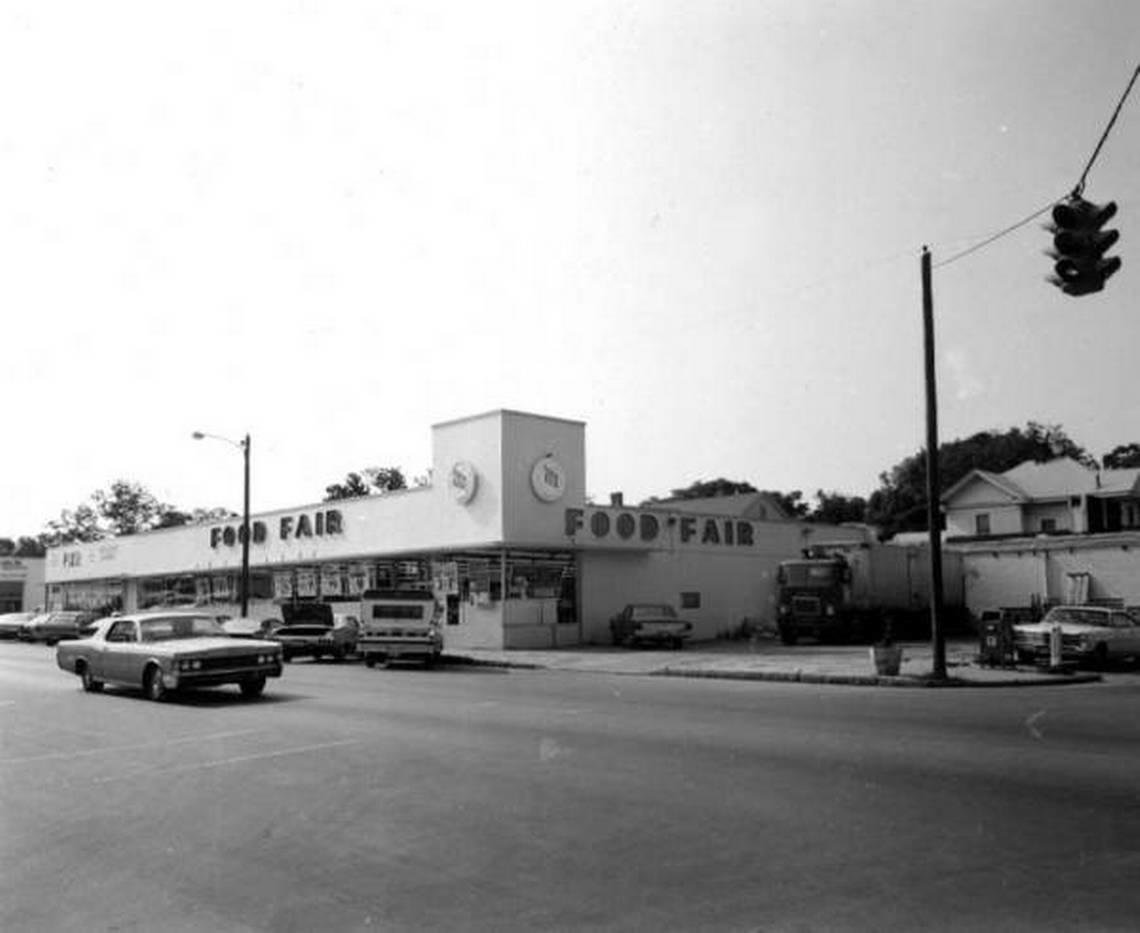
x: 996, y: 649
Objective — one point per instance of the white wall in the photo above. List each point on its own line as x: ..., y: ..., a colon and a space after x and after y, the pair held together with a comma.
x: 1004, y: 520
x: 527, y: 440
x: 735, y: 582
x: 1004, y: 578
x: 478, y: 441
x: 1015, y: 573
x: 1065, y: 517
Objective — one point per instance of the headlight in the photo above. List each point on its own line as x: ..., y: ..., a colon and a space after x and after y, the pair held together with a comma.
x: 782, y: 609
x: 829, y: 610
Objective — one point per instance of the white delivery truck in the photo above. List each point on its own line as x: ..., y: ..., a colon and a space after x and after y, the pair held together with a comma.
x: 399, y: 625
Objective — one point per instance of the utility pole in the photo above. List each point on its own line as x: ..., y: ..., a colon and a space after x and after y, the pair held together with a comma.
x: 245, y: 536
x: 933, y: 484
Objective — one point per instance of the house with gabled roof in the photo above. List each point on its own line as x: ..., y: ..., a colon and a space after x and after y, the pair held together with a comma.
x: 1059, y: 496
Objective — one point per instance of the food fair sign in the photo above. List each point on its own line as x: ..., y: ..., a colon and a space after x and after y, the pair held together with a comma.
x: 287, y: 527
x: 618, y: 527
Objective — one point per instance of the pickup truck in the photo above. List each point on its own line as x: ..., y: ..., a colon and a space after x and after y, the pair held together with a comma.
x: 399, y: 625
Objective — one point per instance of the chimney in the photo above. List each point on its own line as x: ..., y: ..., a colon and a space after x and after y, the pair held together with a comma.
x: 617, y: 500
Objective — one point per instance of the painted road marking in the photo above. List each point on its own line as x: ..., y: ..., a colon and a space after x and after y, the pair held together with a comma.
x: 115, y: 749
x: 236, y: 759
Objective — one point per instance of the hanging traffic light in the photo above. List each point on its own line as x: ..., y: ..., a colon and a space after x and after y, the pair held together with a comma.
x: 1079, y: 245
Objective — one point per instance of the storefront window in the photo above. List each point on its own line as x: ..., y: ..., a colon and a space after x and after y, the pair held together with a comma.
x: 538, y: 577
x: 103, y: 597
x: 183, y: 590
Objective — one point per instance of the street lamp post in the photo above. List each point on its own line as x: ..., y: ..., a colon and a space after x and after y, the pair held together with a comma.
x: 245, y: 530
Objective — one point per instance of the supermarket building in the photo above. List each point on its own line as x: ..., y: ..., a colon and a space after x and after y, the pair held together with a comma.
x: 503, y: 536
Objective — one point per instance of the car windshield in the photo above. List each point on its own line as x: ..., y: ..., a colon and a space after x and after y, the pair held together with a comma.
x: 170, y: 628
x: 651, y: 612
x: 1072, y: 615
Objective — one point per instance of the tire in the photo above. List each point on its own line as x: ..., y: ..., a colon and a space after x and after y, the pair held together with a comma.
x: 1100, y: 656
x: 788, y: 636
x: 153, y: 686
x: 253, y: 687
x: 287, y: 656
x: 369, y: 660
x: 90, y: 684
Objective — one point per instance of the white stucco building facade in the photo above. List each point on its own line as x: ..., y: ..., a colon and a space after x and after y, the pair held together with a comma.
x: 503, y: 537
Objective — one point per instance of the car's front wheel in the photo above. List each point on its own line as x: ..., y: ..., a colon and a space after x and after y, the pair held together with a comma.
x: 153, y: 686
x: 253, y: 687
x: 90, y: 684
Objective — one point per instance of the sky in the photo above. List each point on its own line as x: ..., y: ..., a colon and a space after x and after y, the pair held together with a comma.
x: 696, y: 227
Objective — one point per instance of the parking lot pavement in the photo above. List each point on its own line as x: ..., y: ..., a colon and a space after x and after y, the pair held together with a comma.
x: 768, y: 660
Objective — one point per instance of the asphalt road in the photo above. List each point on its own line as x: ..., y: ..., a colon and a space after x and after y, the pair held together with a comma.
x: 476, y: 799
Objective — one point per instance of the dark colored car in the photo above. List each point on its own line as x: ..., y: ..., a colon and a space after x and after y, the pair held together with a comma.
x: 653, y: 623
x: 316, y: 640
x: 52, y: 627
x: 12, y: 622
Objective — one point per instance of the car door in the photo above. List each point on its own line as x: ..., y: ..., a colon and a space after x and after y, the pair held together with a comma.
x: 1127, y: 634
x: 121, y: 650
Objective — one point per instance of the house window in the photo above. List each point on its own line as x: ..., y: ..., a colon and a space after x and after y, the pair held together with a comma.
x: 982, y: 523
x: 690, y: 600
x: 1048, y: 525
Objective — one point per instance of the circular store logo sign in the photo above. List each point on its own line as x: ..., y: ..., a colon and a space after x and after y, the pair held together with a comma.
x: 464, y: 481
x: 548, y: 480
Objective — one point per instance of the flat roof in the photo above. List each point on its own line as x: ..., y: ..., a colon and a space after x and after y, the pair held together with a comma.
x: 507, y: 411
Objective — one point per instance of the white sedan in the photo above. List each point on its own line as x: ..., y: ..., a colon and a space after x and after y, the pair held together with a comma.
x: 1097, y: 634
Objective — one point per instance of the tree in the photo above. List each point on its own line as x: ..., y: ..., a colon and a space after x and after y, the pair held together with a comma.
x: 833, y: 508
x: 29, y: 547
x: 7, y: 547
x: 82, y: 524
x: 128, y: 508
x: 899, y: 504
x: 124, y: 508
x: 706, y: 489
x: 374, y: 479
x: 386, y: 479
x: 175, y: 518
x: 792, y: 502
x: 1122, y: 457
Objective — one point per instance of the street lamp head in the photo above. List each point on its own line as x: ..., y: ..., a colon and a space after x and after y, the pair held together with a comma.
x: 198, y: 435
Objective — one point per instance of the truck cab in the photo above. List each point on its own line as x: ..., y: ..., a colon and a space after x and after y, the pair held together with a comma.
x: 812, y: 598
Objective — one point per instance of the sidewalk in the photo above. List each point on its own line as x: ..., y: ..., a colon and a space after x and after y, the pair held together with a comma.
x: 767, y: 660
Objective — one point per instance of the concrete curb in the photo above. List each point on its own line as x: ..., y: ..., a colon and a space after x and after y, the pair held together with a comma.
x: 874, y: 680
x: 798, y: 676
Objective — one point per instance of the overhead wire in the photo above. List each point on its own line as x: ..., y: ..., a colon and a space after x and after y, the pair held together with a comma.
x: 1076, y: 192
